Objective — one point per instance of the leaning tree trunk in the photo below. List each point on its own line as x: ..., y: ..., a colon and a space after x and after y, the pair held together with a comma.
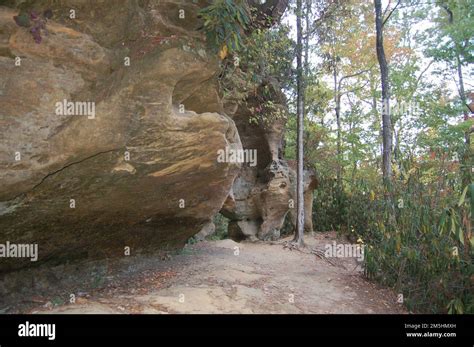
x: 466, y: 160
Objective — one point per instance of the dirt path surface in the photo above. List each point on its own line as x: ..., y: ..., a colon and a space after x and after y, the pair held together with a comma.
x: 229, y: 277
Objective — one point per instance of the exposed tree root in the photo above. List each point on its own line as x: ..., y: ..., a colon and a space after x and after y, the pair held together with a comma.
x: 321, y: 254
x: 293, y: 245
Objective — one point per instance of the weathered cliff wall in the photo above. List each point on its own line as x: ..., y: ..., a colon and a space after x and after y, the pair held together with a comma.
x: 139, y: 171
x: 142, y: 172
x: 263, y: 195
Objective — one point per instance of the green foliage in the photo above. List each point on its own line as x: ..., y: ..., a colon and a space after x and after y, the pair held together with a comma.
x: 221, y: 224
x: 418, y: 236
x: 421, y: 252
x: 422, y: 255
x: 267, y: 110
x: 58, y: 301
x: 266, y: 53
x: 269, y: 53
x: 453, y: 33
x: 415, y: 233
x: 225, y: 22
x: 257, y: 70
x: 220, y: 233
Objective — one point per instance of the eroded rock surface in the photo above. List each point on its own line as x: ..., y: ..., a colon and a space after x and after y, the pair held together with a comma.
x: 142, y: 173
x: 263, y: 195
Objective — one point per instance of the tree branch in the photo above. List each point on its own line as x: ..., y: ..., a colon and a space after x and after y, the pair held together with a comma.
x: 420, y: 76
x: 352, y: 75
x: 391, y: 12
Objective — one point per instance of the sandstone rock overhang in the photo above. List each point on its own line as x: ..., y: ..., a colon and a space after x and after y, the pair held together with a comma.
x: 142, y: 174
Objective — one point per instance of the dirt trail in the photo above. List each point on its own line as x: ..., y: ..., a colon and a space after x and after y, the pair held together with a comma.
x: 213, y: 277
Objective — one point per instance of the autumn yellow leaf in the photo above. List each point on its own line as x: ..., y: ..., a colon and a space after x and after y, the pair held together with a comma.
x: 223, y: 52
x: 372, y: 195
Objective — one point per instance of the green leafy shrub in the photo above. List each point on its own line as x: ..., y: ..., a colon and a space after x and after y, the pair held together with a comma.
x: 221, y: 224
x: 225, y: 22
x: 421, y: 252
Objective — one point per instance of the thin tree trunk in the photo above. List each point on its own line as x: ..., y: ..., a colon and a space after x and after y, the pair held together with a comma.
x: 466, y: 174
x: 386, y: 119
x: 306, y: 45
x: 462, y: 95
x: 299, y: 234
x: 375, y: 113
x: 337, y: 110
x: 354, y: 167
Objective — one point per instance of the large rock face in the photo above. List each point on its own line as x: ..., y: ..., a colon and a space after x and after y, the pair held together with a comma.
x: 142, y: 171
x: 138, y: 171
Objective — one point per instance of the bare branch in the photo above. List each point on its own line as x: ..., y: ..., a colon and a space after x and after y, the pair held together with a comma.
x: 391, y: 12
x: 420, y: 76
x: 351, y: 76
